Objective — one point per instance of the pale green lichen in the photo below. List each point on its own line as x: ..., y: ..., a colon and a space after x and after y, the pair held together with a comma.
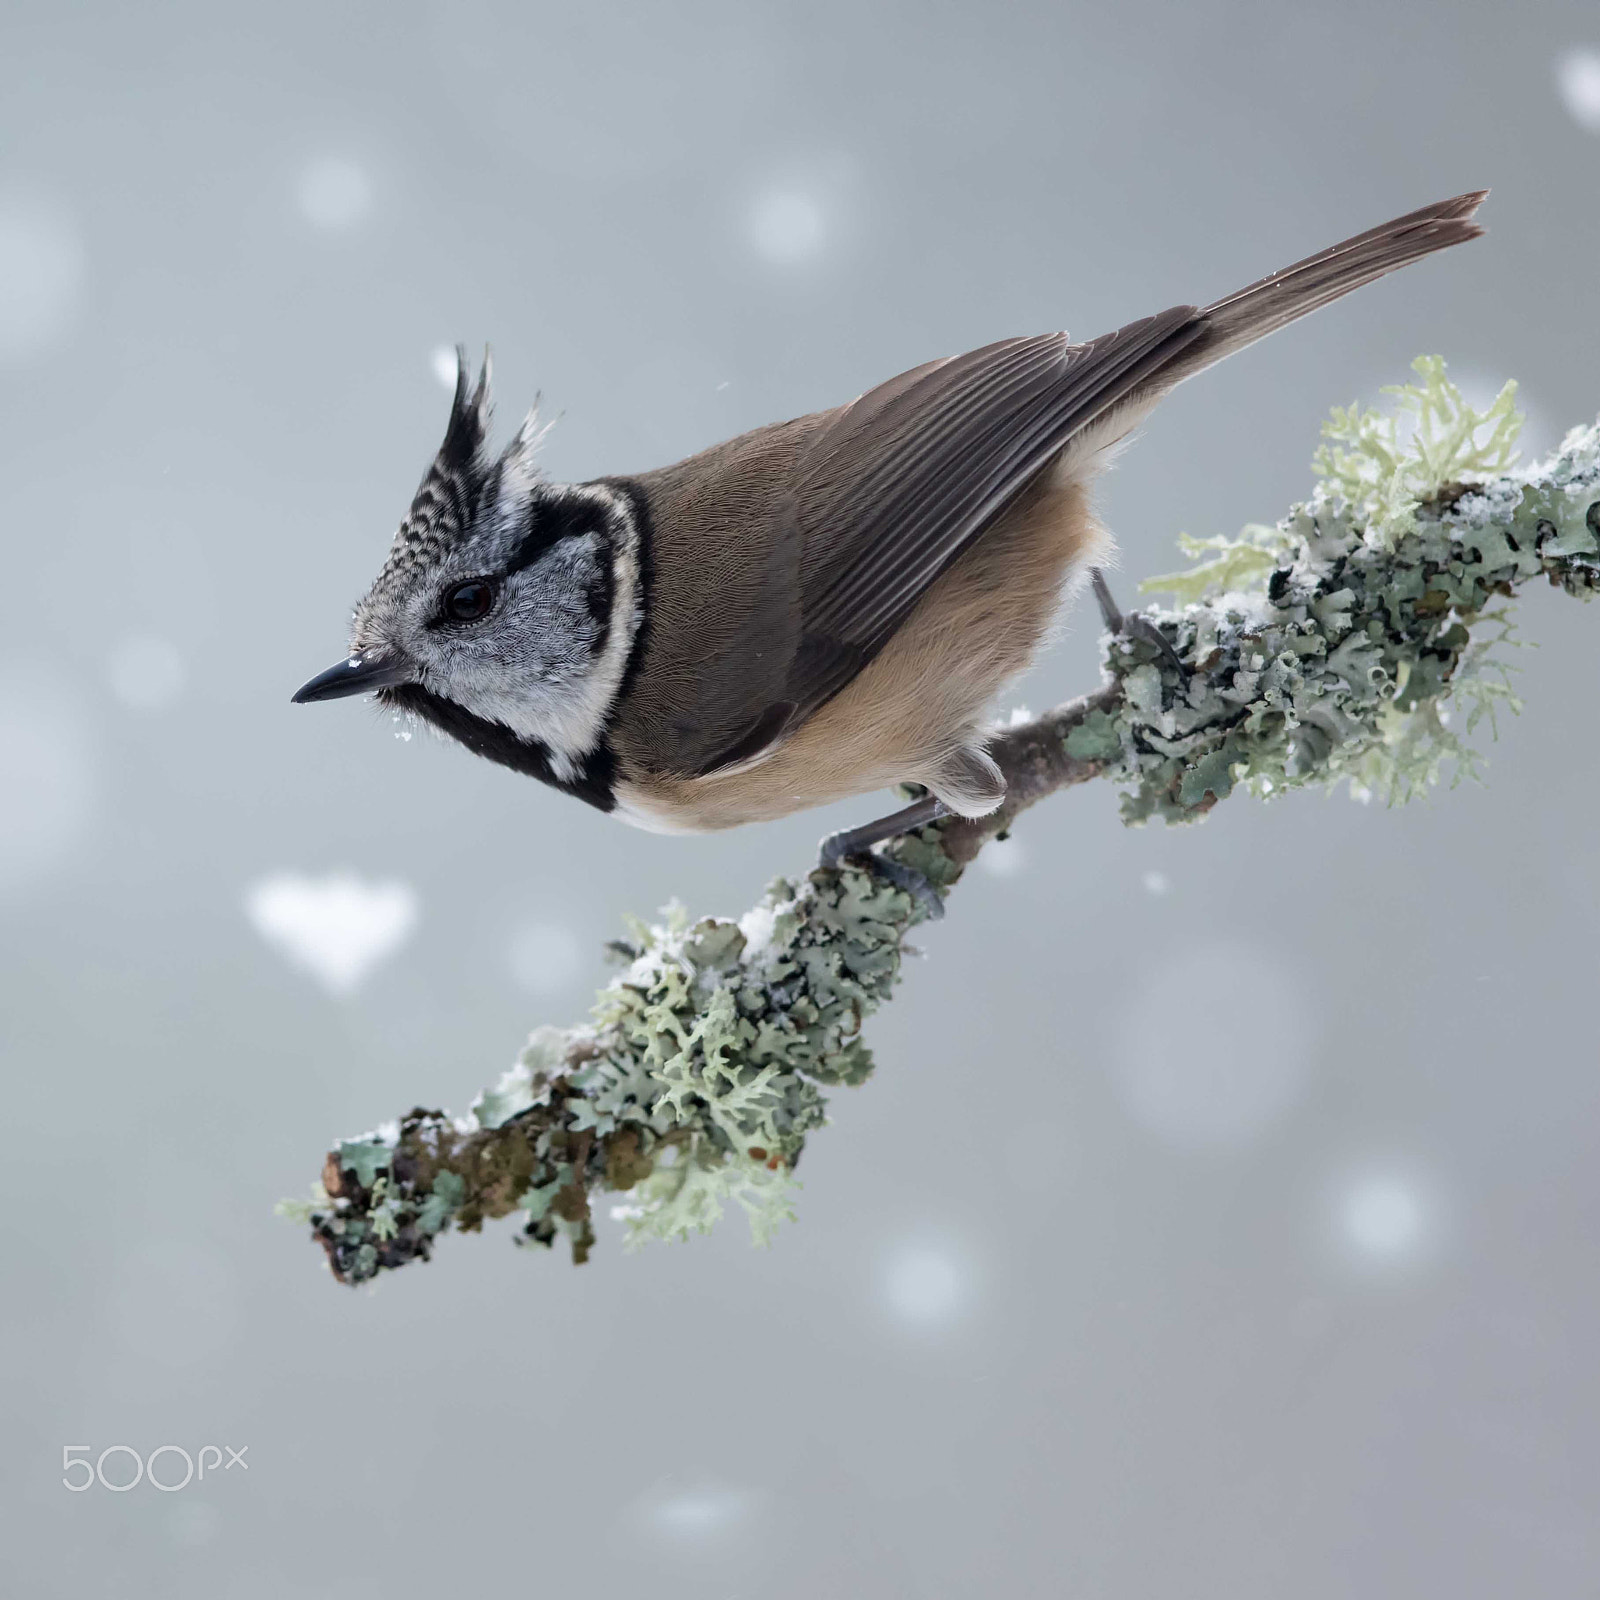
x: 1385, y: 465
x: 694, y: 1087
x: 1325, y: 649
x: 448, y: 1190
x: 687, y: 1195
x: 1221, y: 563
x: 301, y: 1211
x: 1338, y: 667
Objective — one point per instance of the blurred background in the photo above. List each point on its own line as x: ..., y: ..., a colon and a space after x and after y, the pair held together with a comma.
x: 1281, y: 1276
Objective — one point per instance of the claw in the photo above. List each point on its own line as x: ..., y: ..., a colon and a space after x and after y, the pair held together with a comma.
x: 1108, y: 607
x: 1141, y: 627
x: 1136, y: 626
x: 855, y: 844
x: 904, y: 878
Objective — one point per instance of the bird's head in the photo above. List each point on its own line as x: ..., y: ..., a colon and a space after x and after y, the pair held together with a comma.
x: 498, y: 595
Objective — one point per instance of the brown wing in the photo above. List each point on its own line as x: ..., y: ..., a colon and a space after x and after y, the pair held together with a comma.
x: 822, y: 534
x: 885, y: 497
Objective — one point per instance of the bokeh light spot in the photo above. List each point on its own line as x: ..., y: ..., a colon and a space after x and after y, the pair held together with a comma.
x: 335, y: 193
x: 443, y: 362
x: 1003, y: 858
x: 1578, y: 80
x: 337, y: 928
x: 787, y: 227
x: 43, y: 267
x: 1382, y: 1218
x: 47, y: 798
x: 926, y: 1285
x: 701, y: 1513
x: 145, y: 673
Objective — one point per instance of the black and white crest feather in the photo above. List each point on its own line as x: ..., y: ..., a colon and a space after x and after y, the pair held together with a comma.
x: 448, y: 496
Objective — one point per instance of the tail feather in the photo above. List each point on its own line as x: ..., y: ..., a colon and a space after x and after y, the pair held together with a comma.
x: 1264, y: 307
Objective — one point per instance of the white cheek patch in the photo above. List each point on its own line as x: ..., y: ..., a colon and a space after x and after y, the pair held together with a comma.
x: 568, y: 714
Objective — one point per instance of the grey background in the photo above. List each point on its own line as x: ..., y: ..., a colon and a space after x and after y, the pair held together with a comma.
x: 1275, y: 1274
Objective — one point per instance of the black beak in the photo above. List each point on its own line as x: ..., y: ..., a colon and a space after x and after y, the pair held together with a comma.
x: 355, y: 676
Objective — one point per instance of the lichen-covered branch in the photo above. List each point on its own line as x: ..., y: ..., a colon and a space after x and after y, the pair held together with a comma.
x: 1331, y: 647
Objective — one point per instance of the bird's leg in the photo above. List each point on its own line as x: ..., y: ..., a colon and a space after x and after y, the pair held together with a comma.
x: 1132, y: 627
x: 858, y: 842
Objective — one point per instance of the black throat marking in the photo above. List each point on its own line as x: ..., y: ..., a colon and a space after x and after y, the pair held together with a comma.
x: 594, y: 781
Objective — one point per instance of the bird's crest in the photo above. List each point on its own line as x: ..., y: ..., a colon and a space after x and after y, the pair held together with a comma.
x: 442, y: 508
x: 453, y: 488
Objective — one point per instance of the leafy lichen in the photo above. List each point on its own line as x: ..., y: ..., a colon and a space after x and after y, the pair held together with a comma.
x: 1325, y: 649
x: 1386, y: 465
x: 694, y: 1086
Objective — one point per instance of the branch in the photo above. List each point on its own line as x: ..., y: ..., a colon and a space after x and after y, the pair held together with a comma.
x: 1318, y: 651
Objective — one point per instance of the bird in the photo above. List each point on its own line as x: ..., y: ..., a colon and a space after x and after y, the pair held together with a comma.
x: 814, y: 610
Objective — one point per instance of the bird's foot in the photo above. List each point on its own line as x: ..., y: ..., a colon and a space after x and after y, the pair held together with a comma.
x: 907, y: 879
x: 855, y: 845
x: 1133, y: 626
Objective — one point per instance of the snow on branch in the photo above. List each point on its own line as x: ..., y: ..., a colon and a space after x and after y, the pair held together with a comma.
x: 1329, y: 648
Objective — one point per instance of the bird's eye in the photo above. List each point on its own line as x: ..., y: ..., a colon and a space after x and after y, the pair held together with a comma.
x: 469, y: 601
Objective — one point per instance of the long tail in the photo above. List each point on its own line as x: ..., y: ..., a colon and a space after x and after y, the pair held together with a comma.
x: 1240, y: 319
